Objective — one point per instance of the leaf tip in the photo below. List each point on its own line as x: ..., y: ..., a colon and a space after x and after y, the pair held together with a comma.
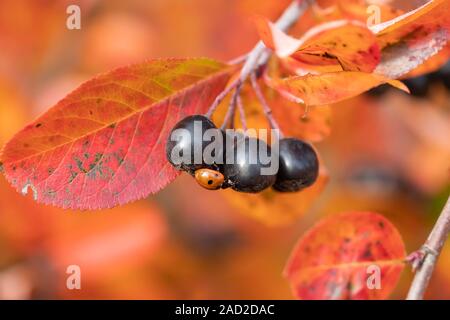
x: 399, y: 85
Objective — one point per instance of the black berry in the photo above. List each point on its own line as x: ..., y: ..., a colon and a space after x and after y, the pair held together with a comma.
x: 185, y: 148
x: 299, y: 166
x: 244, y: 169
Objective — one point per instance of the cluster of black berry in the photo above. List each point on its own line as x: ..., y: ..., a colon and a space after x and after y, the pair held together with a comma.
x: 298, y: 164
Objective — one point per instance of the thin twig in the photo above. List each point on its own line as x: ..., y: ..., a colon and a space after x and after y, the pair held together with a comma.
x: 430, y: 251
x: 241, y: 113
x: 259, y: 55
x: 229, y: 116
x: 221, y: 96
x: 239, y: 59
x: 267, y: 110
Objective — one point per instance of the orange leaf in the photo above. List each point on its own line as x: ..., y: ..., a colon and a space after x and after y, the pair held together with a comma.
x: 432, y: 64
x: 104, y: 144
x: 408, y: 54
x: 347, y: 43
x: 330, y: 87
x: 312, y: 124
x: 412, y: 38
x: 430, y: 17
x: 336, y: 257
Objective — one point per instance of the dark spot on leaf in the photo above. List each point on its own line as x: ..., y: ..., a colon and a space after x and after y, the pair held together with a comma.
x: 73, y: 175
x: 50, y: 193
x: 349, y: 286
x: 113, y: 125
x: 367, y: 254
x: 38, y: 125
x: 50, y: 170
x: 79, y: 164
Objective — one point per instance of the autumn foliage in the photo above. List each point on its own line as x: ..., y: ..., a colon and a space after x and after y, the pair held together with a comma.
x: 103, y: 146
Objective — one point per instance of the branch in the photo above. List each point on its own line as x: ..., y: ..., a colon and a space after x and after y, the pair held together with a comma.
x: 228, y: 120
x: 259, y: 55
x: 267, y: 110
x: 241, y: 113
x: 429, y: 254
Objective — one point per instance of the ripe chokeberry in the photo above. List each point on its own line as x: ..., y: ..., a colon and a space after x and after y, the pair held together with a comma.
x: 186, y: 144
x: 209, y: 179
x: 244, y: 169
x: 298, y: 167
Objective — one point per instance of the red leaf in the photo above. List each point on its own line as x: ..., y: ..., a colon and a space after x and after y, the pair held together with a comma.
x: 334, y: 259
x: 104, y: 144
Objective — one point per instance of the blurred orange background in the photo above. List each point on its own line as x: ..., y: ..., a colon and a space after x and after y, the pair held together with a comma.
x: 388, y: 154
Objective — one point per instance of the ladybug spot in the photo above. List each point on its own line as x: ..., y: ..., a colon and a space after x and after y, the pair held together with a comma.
x: 210, y: 182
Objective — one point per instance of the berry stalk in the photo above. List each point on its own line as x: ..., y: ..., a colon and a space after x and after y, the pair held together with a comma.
x: 259, y: 55
x: 241, y: 113
x: 267, y: 110
x: 229, y: 117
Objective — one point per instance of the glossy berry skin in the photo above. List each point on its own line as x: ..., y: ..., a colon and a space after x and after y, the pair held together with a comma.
x: 242, y: 169
x: 191, y: 143
x: 299, y: 166
x: 209, y: 179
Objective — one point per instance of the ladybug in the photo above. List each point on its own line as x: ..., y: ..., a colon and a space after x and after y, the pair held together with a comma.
x: 209, y: 179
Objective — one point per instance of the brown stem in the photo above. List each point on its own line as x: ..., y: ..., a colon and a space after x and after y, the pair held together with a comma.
x: 259, y: 55
x: 430, y: 250
x: 222, y: 96
x: 267, y: 110
x: 231, y: 109
x: 241, y: 113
